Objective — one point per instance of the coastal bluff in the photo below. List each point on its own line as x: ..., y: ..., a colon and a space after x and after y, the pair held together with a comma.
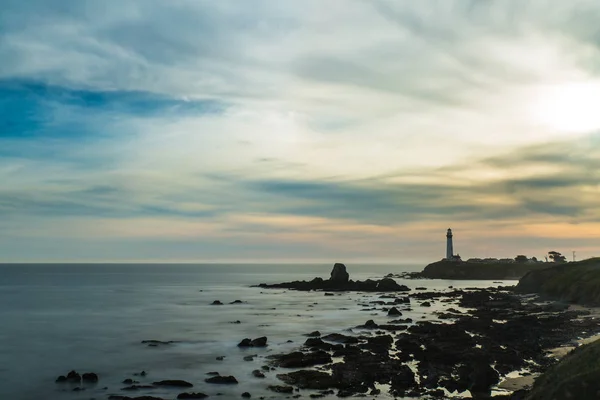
x: 462, y: 270
x: 340, y: 281
x: 573, y: 282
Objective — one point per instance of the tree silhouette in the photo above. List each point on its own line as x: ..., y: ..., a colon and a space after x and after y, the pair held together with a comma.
x: 555, y: 256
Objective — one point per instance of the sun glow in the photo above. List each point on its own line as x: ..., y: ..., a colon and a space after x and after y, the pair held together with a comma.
x: 570, y: 107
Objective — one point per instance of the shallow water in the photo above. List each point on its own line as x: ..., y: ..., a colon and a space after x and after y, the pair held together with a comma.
x: 56, y: 318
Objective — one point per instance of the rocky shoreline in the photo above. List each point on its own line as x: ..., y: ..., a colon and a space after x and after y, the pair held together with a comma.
x: 479, y: 338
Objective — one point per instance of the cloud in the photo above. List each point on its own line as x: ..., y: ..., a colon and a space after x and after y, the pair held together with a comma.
x: 372, y: 122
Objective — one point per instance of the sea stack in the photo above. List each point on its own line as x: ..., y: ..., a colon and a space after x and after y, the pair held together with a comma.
x: 339, y: 274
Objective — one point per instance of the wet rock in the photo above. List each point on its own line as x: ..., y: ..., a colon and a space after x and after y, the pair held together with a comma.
x: 426, y: 304
x: 89, y: 377
x: 317, y: 343
x: 339, y: 274
x: 309, y: 379
x: 403, y: 380
x: 301, y: 360
x: 281, y: 389
x: 313, y: 334
x: 173, y: 383
x: 250, y: 358
x: 370, y: 324
x: 213, y: 373
x: 259, y: 342
x: 258, y: 374
x: 137, y: 387
x: 328, y: 294
x: 61, y: 379
x: 118, y: 397
x: 340, y: 338
x: 236, y: 322
x: 183, y: 396
x: 246, y: 395
x: 393, y: 312
x: 388, y: 284
x: 220, y: 358
x: 154, y: 343
x: 236, y: 302
x: 222, y: 380
x: 129, y: 381
x: 216, y: 303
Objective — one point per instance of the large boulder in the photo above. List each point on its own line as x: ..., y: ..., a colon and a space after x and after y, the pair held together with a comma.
x: 339, y: 274
x: 388, y: 284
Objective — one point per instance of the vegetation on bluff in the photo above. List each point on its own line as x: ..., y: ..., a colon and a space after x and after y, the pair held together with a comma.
x: 575, y: 282
x: 480, y: 270
x: 577, y: 376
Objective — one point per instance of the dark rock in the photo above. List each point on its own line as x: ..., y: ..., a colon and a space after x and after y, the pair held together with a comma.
x: 301, y: 360
x: 339, y: 338
x: 313, y: 334
x: 339, y: 274
x: 73, y: 377
x: 426, y: 304
x: 281, y: 389
x: 259, y: 342
x: 317, y: 343
x: 246, y: 395
x: 220, y: 358
x: 236, y: 302
x: 89, y: 377
x: 403, y: 380
x: 129, y: 381
x: 388, y: 285
x: 155, y: 343
x: 61, y: 379
x: 236, y: 322
x: 223, y: 380
x: 183, y: 396
x: 213, y: 373
x: 328, y: 294
x: 309, y: 379
x: 394, y: 312
x: 258, y: 374
x: 216, y: 303
x: 173, y: 383
x: 137, y: 387
x: 250, y: 358
x: 370, y: 324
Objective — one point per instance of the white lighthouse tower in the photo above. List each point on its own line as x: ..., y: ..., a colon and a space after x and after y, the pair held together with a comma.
x: 449, y: 247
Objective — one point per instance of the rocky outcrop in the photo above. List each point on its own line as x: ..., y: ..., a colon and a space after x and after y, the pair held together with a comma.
x: 258, y: 342
x: 574, y: 282
x: 222, y: 380
x: 339, y: 274
x: 460, y: 270
x: 185, y: 396
x: 173, y: 383
x: 383, y: 285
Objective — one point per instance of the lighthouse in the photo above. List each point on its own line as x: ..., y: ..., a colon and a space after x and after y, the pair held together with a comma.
x: 449, y: 247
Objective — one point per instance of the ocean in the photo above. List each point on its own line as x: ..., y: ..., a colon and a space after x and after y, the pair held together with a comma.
x: 92, y: 318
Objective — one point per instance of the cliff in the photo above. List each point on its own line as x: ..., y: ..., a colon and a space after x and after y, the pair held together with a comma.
x: 485, y: 271
x: 576, y: 282
x: 577, y: 376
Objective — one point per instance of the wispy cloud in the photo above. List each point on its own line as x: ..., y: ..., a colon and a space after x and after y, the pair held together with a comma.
x: 369, y: 125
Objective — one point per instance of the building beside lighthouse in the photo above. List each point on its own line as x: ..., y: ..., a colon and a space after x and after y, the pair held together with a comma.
x: 450, y: 256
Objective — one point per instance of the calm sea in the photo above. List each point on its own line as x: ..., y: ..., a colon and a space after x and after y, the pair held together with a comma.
x: 92, y: 318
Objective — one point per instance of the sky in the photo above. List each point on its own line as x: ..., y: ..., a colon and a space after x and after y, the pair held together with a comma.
x: 263, y: 130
